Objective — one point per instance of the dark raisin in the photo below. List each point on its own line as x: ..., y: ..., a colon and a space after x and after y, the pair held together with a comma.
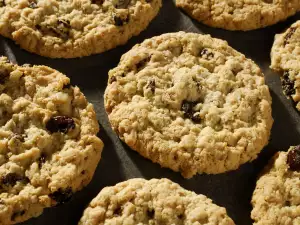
x: 17, y: 214
x: 188, y: 108
x: 11, y: 179
x: 141, y: 64
x: 122, y: 4
x: 42, y: 160
x: 287, y: 84
x: 62, y: 196
x: 4, y: 74
x: 119, y: 21
x: 37, y: 26
x: 97, y: 2
x: 205, y: 53
x: 118, y: 211
x: 148, y: 1
x: 61, y: 29
x: 150, y: 213
x: 180, y: 216
x: 66, y: 86
x: 287, y: 203
x: 289, y: 35
x: 2, y: 3
x: 293, y: 159
x: 112, y: 79
x: 60, y: 124
x: 83, y: 172
x: 151, y: 85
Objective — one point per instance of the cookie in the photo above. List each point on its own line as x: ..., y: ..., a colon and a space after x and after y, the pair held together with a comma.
x: 276, y: 197
x: 48, y: 143
x: 74, y: 28
x: 239, y: 14
x: 139, y: 201
x: 190, y: 103
x: 285, y: 59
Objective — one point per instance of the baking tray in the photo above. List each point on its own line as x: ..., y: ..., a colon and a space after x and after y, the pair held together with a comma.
x: 232, y: 190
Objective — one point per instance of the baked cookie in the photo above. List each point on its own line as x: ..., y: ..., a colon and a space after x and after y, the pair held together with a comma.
x: 239, y: 14
x: 285, y: 58
x: 48, y: 143
x: 276, y: 198
x: 190, y: 103
x: 74, y: 28
x: 139, y: 201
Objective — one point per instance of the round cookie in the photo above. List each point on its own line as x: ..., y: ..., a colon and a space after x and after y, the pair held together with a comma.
x: 139, y: 201
x: 285, y: 58
x: 239, y: 14
x: 74, y: 28
x: 190, y: 103
x: 276, y: 198
x: 48, y: 143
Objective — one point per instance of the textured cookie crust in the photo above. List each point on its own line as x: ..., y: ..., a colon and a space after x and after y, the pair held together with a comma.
x: 239, y: 14
x: 74, y: 28
x: 285, y: 58
x: 190, y: 103
x: 276, y: 198
x: 48, y: 143
x: 139, y: 201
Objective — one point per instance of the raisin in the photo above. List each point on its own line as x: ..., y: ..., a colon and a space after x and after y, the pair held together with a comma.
x: 289, y: 35
x: 180, y: 216
x: 122, y: 4
x: 119, y: 21
x: 148, y: 1
x: 60, y: 124
x: 42, y: 160
x: 141, y: 64
x: 18, y: 137
x: 4, y: 73
x: 206, y: 54
x: 287, y: 84
x: 112, y: 79
x: 37, y: 26
x: 17, y: 214
x: 2, y: 3
x: 150, y: 213
x: 293, y: 159
x: 62, y: 196
x: 98, y: 2
x: 151, y: 85
x: 187, y: 108
x: 11, y: 179
x: 61, y: 29
x: 118, y: 211
x: 66, y: 86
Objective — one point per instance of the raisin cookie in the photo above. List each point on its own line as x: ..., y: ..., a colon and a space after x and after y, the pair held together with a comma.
x: 139, y: 201
x: 74, y: 28
x: 239, y: 14
x: 190, y: 103
x: 48, y: 143
x: 276, y: 198
x: 285, y: 58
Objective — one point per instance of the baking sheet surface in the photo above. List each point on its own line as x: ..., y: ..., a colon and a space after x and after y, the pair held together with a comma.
x: 232, y: 190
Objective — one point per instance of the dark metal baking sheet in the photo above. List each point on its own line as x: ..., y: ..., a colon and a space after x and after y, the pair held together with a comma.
x: 232, y: 190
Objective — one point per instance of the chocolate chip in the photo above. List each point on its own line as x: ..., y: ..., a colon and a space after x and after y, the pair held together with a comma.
x: 119, y: 21
x: 2, y: 3
x: 150, y: 213
x: 122, y: 4
x: 289, y: 35
x: 60, y: 124
x: 287, y: 84
x: 112, y: 79
x: 151, y: 85
x: 17, y: 214
x: 293, y: 159
x: 97, y: 2
x: 62, y: 196
x: 11, y: 179
x: 141, y: 64
x: 4, y: 74
x: 205, y: 53
x: 42, y: 160
x: 188, y: 108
